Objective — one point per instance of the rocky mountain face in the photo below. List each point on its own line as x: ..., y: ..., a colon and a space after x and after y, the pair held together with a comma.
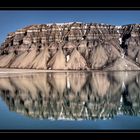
x: 73, y: 46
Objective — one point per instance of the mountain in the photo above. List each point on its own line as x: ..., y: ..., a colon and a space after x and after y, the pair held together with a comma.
x: 73, y: 46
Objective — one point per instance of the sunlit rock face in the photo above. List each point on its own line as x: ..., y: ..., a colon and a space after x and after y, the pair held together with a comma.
x: 75, y: 46
x: 72, y: 96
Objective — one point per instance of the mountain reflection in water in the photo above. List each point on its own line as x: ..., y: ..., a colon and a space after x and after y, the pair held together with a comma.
x: 72, y: 96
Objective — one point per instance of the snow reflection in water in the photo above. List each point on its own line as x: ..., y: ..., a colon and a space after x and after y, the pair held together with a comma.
x: 72, y: 96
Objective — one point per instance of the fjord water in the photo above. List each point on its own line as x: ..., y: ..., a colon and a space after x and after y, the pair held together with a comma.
x: 70, y: 100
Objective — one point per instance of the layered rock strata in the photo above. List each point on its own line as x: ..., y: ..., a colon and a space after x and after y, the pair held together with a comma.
x: 73, y: 46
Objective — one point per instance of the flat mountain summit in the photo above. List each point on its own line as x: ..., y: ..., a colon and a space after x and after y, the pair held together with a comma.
x: 73, y: 46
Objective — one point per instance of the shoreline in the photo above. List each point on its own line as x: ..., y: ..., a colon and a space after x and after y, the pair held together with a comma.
x: 12, y: 70
x: 5, y: 72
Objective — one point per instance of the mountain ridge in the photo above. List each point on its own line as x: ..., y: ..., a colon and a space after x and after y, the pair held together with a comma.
x: 95, y: 43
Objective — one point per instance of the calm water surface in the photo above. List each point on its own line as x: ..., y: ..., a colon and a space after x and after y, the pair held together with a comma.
x: 75, y: 100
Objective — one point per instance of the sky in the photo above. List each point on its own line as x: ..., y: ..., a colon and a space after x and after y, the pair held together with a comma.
x: 12, y: 20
